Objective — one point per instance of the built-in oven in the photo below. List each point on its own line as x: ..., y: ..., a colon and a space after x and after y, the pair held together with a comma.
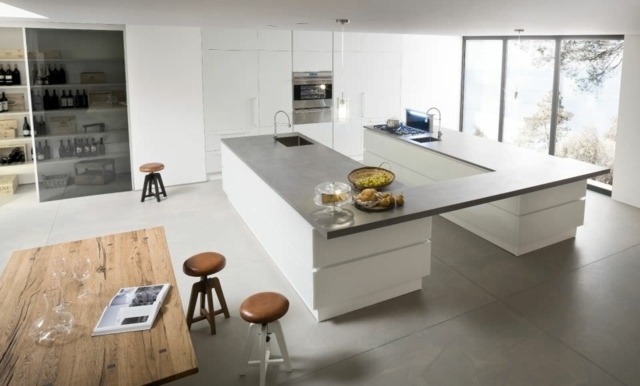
x: 312, y: 97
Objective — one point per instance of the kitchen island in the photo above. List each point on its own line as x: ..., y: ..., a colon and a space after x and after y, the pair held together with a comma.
x: 341, y: 262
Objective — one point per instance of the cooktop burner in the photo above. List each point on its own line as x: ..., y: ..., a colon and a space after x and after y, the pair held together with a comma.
x: 400, y: 130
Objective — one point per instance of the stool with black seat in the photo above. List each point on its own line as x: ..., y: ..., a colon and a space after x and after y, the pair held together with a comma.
x: 262, y: 311
x: 202, y: 265
x: 152, y: 179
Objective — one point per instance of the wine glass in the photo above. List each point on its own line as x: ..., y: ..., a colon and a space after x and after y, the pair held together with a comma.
x: 59, y: 270
x: 81, y: 271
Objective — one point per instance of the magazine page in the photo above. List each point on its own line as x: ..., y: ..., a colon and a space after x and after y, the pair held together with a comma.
x: 132, y: 309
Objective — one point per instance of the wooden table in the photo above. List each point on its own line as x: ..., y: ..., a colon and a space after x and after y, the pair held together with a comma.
x: 141, y: 257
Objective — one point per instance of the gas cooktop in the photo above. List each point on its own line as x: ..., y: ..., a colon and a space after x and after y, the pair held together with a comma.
x: 400, y: 130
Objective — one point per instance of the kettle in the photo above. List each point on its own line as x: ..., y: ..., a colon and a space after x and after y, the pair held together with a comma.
x: 393, y: 123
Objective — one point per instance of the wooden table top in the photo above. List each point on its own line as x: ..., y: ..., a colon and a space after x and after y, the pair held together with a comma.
x: 155, y: 356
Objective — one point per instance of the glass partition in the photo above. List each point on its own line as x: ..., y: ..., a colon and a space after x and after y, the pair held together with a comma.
x: 79, y: 106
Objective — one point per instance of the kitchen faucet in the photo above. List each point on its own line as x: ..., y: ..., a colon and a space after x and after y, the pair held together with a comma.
x: 432, y: 118
x: 275, y: 123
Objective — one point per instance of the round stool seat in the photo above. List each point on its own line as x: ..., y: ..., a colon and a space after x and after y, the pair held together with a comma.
x: 151, y: 167
x: 204, y: 264
x: 264, y: 307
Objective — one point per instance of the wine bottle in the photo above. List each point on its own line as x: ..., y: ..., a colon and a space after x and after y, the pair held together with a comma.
x: 78, y: 147
x: 62, y: 153
x: 47, y: 75
x: 8, y: 76
x: 46, y: 100
x: 47, y: 150
x: 71, y: 103
x: 40, y: 152
x: 85, y: 99
x: 94, y: 147
x: 87, y: 149
x: 42, y: 126
x: 63, y: 100
x: 37, y: 101
x: 5, y: 103
x: 78, y: 100
x: 54, y: 77
x: 62, y: 75
x: 16, y: 75
x: 101, y: 149
x: 55, y: 101
x: 2, y: 73
x: 71, y: 150
x: 26, y: 129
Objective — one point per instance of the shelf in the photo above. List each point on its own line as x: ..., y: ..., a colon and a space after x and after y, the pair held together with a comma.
x: 25, y: 165
x: 13, y: 114
x: 17, y: 60
x: 16, y: 139
x: 58, y: 161
x: 15, y: 86
x: 76, y: 85
x: 79, y: 60
x: 82, y: 134
x: 90, y: 110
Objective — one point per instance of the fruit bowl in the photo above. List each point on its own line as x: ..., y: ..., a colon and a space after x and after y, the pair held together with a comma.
x: 371, y: 177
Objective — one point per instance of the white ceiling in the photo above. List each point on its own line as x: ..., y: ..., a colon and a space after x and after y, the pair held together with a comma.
x: 439, y: 17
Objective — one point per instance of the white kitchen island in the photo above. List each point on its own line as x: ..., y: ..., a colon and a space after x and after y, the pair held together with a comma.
x: 341, y: 262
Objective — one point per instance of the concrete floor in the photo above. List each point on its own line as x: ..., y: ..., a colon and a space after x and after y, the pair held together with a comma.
x: 564, y: 315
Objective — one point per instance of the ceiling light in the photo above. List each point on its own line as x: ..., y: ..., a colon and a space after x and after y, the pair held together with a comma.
x: 302, y: 23
x: 7, y: 10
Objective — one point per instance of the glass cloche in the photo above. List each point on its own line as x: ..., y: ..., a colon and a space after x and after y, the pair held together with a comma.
x: 332, y: 195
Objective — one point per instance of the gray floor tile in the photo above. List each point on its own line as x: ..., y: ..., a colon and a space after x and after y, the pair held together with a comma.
x: 594, y: 310
x: 491, y: 346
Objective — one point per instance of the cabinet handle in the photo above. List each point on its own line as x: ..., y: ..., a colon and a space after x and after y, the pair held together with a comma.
x: 254, y: 111
x: 364, y: 101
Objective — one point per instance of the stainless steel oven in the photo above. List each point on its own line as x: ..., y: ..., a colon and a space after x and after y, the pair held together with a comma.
x: 312, y: 97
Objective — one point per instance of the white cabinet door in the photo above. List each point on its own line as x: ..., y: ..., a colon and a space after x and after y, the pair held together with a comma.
x: 312, y: 41
x: 230, y: 90
x: 382, y: 78
x: 381, y: 43
x: 229, y: 39
x: 347, y: 138
x: 275, y: 86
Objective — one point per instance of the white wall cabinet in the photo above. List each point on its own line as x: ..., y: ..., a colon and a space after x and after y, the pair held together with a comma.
x: 247, y: 78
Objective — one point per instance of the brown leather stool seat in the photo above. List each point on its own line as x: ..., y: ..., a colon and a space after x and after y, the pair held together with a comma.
x: 263, y: 310
x: 151, y: 180
x: 264, y: 307
x: 202, y: 265
x: 152, y: 167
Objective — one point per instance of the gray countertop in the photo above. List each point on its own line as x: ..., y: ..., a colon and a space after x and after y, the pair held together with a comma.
x: 294, y: 172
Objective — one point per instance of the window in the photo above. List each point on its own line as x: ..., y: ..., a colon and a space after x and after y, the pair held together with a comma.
x: 557, y: 95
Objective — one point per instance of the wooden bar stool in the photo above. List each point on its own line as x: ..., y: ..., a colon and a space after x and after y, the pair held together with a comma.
x: 202, y: 265
x: 263, y: 310
x: 152, y: 179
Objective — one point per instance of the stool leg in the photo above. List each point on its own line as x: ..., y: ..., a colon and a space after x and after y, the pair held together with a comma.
x: 192, y: 303
x: 155, y: 184
x: 144, y: 187
x: 251, y: 335
x: 164, y: 192
x: 211, y: 315
x: 277, y: 329
x: 150, y: 185
x: 215, y: 282
x: 263, y: 354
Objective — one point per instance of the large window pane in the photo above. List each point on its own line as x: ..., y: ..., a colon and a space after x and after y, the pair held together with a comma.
x: 590, y: 89
x: 482, y: 75
x: 528, y: 94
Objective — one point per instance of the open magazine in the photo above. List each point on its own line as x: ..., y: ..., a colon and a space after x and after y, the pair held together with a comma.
x: 132, y: 309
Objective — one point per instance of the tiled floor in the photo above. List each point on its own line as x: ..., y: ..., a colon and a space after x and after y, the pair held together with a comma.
x: 564, y: 315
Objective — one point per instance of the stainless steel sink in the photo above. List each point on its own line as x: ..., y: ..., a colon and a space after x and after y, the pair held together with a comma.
x: 424, y: 139
x: 295, y: 140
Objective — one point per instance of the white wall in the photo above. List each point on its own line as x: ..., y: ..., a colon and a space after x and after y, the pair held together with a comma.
x: 626, y: 184
x: 164, y: 81
x: 431, y: 71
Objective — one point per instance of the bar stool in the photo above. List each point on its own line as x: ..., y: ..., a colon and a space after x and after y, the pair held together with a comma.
x: 263, y: 310
x: 202, y: 265
x: 152, y: 178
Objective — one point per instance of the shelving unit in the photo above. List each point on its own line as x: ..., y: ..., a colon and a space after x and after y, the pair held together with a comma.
x: 80, y: 51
